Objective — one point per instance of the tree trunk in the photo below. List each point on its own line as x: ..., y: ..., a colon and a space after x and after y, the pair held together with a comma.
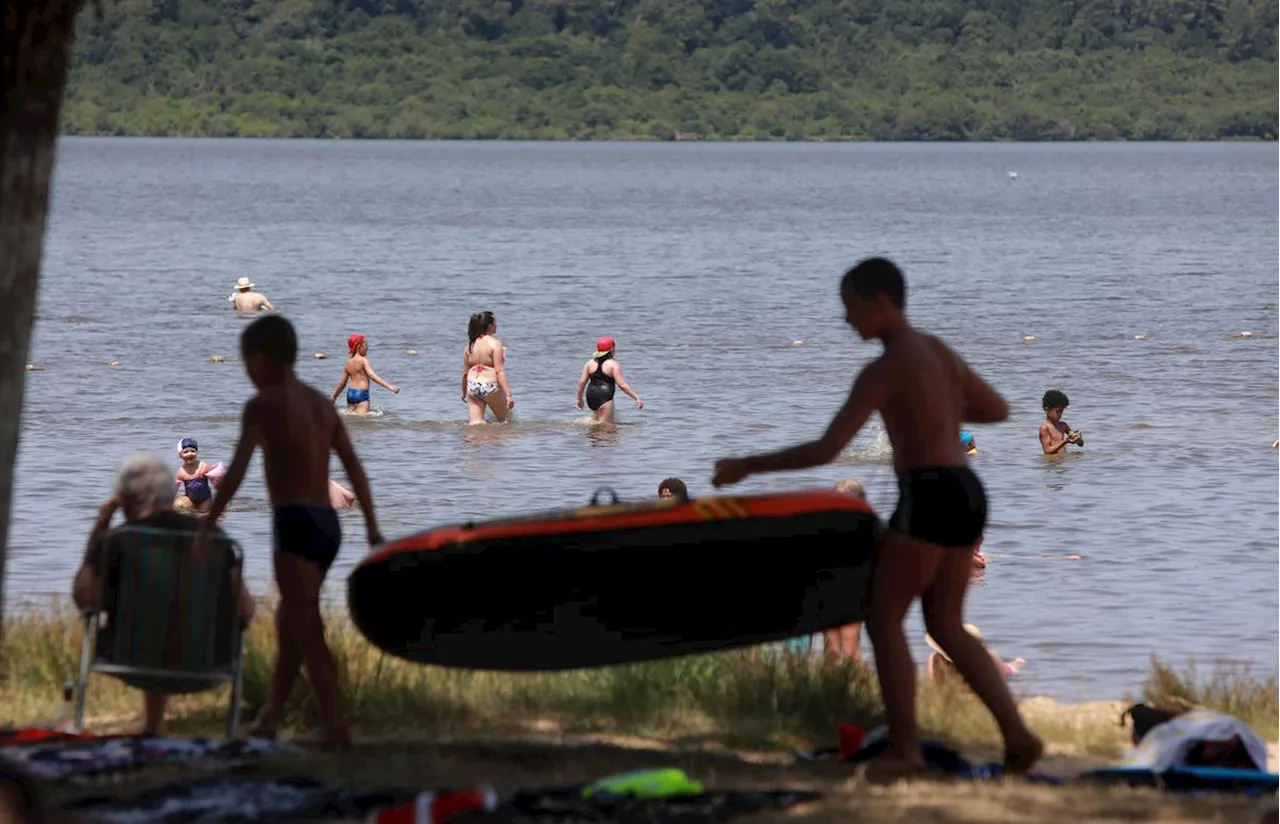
x: 35, y: 48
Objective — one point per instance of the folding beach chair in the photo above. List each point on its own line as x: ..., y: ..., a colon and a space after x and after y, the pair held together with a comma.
x: 163, y: 623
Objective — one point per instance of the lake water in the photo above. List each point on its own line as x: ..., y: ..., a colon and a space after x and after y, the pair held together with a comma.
x: 709, y: 264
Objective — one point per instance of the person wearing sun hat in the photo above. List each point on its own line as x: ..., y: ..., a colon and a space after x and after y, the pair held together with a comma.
x: 247, y: 300
x: 939, y: 668
x: 600, y: 377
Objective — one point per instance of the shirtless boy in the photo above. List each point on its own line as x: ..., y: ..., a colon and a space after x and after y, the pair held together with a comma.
x: 297, y: 428
x: 356, y: 377
x: 924, y: 392
x: 1055, y: 435
x: 247, y: 300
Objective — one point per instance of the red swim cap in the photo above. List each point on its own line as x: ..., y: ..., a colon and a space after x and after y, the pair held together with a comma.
x: 604, y: 345
x: 353, y: 342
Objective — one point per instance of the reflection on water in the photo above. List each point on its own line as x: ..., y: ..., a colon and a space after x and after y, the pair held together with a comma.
x: 707, y: 266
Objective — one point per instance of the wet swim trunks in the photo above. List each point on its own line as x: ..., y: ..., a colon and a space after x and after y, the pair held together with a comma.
x: 481, y: 389
x: 309, y: 532
x: 355, y: 396
x: 600, y: 386
x: 943, y: 505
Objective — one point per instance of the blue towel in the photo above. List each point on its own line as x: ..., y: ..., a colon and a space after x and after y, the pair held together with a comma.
x: 1190, y: 779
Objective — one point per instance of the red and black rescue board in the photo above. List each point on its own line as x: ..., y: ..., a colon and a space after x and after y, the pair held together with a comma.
x: 614, y: 584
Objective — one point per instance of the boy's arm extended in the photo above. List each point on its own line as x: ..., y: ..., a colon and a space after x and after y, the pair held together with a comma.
x: 359, y: 481
x: 865, y: 398
x: 239, y: 464
x: 982, y: 403
x: 373, y: 376
x: 336, y: 392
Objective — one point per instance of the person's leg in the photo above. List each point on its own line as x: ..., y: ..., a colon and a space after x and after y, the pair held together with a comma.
x: 288, y: 662
x: 497, y: 400
x: 943, y: 604
x: 362, y: 408
x: 843, y: 642
x: 605, y: 413
x: 903, y: 568
x: 300, y: 581
x: 475, y: 410
x: 154, y: 705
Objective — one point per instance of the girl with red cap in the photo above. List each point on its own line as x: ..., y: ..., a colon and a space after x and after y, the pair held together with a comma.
x: 356, y: 377
x: 600, y: 377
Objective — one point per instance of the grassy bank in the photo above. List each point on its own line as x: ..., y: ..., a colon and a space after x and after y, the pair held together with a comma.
x: 770, y: 700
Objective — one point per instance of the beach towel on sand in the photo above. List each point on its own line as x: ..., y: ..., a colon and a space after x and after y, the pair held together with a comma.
x: 99, y: 756
x: 222, y: 801
x: 246, y: 801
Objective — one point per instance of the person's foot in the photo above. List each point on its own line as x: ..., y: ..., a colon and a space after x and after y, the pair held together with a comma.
x: 262, y: 728
x: 325, y: 739
x: 1021, y: 756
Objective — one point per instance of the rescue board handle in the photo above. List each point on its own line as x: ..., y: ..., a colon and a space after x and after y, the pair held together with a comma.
x: 604, y: 490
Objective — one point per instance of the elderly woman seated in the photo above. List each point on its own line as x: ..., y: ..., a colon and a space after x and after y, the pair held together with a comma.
x: 144, y: 495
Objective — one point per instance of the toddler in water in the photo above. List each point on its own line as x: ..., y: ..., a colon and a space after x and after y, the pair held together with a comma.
x: 196, y: 495
x: 1055, y: 435
x: 358, y: 372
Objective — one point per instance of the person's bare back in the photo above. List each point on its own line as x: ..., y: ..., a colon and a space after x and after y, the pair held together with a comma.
x: 923, y: 400
x: 295, y: 426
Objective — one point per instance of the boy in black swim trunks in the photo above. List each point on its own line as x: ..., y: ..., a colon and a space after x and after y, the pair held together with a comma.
x: 297, y: 428
x: 924, y: 392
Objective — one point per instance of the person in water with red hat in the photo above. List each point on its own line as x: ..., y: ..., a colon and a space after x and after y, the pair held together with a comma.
x: 356, y: 377
x: 600, y: 377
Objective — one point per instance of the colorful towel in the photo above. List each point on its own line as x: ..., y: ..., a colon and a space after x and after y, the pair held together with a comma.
x: 1190, y: 779
x: 567, y: 804
x: 39, y: 735
x: 243, y: 801
x: 95, y: 757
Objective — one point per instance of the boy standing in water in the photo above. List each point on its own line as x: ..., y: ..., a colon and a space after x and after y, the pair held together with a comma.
x: 923, y: 391
x: 297, y: 429
x: 359, y: 372
x: 1054, y: 432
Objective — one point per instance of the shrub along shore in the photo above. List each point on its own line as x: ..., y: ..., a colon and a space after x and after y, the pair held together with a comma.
x: 762, y: 701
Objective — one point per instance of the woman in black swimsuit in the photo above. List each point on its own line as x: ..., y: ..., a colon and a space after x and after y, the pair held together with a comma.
x: 600, y: 377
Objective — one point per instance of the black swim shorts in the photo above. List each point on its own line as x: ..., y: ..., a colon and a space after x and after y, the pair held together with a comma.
x: 943, y: 505
x: 309, y: 532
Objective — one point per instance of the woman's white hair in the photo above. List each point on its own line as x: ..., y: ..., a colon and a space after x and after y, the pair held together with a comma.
x: 144, y: 483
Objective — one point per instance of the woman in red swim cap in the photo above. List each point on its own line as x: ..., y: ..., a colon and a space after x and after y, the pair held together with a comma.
x: 600, y: 377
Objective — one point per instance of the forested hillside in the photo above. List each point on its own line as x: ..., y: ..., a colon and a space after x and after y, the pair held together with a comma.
x: 727, y: 69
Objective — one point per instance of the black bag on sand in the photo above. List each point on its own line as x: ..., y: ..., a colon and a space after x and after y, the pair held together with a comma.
x: 1145, y: 718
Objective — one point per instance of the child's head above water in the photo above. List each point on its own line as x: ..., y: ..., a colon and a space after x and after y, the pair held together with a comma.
x: 967, y: 441
x: 188, y: 450
x: 851, y: 487
x: 1055, y: 403
x: 269, y: 347
x: 874, y: 294
x: 673, y: 488
x: 357, y: 343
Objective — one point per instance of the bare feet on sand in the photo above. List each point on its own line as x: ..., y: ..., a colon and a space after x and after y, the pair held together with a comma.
x: 1021, y: 758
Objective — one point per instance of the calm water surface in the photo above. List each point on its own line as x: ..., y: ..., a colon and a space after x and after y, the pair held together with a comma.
x: 708, y: 263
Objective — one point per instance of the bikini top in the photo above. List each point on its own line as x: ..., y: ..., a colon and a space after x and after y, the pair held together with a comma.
x: 600, y: 374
